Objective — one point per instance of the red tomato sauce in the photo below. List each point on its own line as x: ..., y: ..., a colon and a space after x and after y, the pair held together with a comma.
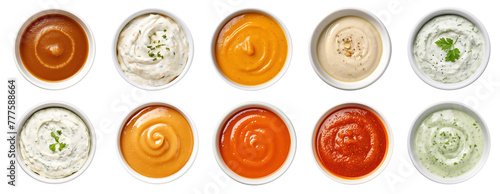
x: 351, y: 142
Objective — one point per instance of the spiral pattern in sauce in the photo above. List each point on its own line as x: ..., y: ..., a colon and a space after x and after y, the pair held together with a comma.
x: 251, y: 49
x: 449, y: 143
x: 54, y: 47
x: 157, y: 141
x: 351, y: 142
x: 254, y: 143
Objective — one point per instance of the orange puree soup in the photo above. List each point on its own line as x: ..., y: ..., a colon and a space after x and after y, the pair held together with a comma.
x: 254, y: 143
x: 251, y: 49
x: 157, y: 141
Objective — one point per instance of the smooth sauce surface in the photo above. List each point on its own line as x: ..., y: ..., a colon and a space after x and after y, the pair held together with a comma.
x: 254, y: 143
x: 54, y: 47
x: 157, y: 141
x: 351, y: 143
x: 251, y: 49
x: 350, y: 49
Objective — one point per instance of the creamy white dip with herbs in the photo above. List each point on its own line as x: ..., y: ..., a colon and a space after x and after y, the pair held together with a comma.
x: 449, y: 143
x: 54, y: 143
x: 431, y: 59
x: 152, y: 50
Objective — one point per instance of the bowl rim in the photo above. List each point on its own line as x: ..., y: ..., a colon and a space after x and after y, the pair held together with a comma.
x: 171, y: 177
x: 283, y: 70
x: 75, y: 110
x: 449, y: 11
x: 384, y: 60
x: 160, y: 12
x: 68, y: 82
x: 441, y: 106
x: 382, y: 165
x: 263, y: 180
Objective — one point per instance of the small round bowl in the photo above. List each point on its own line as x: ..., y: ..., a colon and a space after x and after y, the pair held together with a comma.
x: 172, y: 177
x: 57, y: 85
x: 420, y: 119
x: 384, y: 61
x: 75, y: 110
x: 160, y: 12
x: 372, y: 174
x: 463, y: 83
x: 288, y: 57
x: 276, y: 174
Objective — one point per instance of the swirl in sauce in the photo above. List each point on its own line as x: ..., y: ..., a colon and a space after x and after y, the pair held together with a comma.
x: 157, y: 141
x: 351, y: 143
x: 254, y: 143
x: 251, y: 49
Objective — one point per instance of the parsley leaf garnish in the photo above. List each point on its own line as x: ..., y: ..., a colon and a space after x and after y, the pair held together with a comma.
x: 448, y: 45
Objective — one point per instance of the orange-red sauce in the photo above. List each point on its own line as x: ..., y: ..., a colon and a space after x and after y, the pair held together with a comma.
x: 54, y: 47
x: 351, y: 143
x: 254, y: 143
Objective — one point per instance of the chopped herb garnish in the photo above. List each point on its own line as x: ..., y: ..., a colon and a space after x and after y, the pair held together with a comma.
x: 56, y: 138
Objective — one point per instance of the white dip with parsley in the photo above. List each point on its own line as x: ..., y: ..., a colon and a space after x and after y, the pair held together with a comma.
x: 152, y: 50
x: 449, y: 48
x: 54, y: 143
x: 449, y: 143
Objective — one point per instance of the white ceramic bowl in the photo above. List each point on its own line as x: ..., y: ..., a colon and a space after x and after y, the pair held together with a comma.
x: 420, y: 119
x: 172, y: 177
x: 384, y: 61
x: 288, y: 57
x: 58, y: 84
x: 271, y: 177
x: 160, y: 12
x: 73, y: 109
x: 449, y: 86
x: 375, y: 172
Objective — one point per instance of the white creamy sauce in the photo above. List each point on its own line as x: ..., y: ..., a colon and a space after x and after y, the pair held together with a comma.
x: 152, y: 50
x: 431, y: 58
x: 350, y: 49
x: 37, y: 136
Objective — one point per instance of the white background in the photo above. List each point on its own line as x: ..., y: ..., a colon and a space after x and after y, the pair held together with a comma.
x: 105, y: 97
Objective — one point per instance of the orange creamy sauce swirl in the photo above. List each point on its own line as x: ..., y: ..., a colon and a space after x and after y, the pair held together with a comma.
x: 251, y: 49
x: 157, y: 141
x: 254, y: 143
x: 54, y: 47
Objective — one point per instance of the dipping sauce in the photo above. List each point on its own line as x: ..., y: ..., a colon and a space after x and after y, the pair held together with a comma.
x: 349, y: 49
x: 152, y: 50
x: 54, y: 47
x: 254, y: 143
x: 460, y: 34
x: 157, y: 141
x: 251, y: 49
x: 54, y: 143
x: 351, y: 143
x: 449, y: 143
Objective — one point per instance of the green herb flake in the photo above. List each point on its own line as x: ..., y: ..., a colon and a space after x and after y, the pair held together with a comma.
x: 61, y: 146
x: 53, y: 147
